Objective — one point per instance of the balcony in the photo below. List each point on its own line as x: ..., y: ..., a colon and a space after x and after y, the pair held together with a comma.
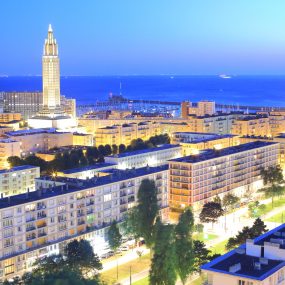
x: 42, y: 234
x: 28, y: 229
x: 31, y: 237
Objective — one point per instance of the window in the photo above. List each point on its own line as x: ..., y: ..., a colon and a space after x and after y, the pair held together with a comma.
x: 241, y: 282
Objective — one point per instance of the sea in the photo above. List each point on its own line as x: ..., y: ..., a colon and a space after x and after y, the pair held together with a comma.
x: 233, y: 90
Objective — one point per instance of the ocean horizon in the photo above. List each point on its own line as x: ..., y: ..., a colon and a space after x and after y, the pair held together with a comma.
x: 236, y: 90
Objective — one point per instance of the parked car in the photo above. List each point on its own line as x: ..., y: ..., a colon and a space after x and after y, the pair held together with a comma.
x: 124, y: 248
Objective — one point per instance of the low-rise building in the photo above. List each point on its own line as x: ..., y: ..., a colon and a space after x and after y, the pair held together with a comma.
x: 258, y: 262
x: 8, y: 147
x: 17, y: 180
x: 197, y: 179
x: 8, y: 117
x: 41, y: 223
x: 35, y: 140
x: 141, y: 158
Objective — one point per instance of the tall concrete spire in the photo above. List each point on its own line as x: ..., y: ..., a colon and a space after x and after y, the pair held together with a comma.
x: 51, y: 76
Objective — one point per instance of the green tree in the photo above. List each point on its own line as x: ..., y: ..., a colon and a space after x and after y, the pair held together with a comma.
x: 147, y: 211
x: 184, y: 245
x: 102, y: 150
x: 114, y: 236
x: 130, y: 226
x: 211, y: 212
x: 162, y: 269
x: 272, y: 178
x: 36, y: 161
x: 80, y: 256
x: 201, y: 255
x: 229, y: 201
x: 256, y: 230
x: 122, y: 148
x: 115, y: 149
x: 15, y: 161
x: 108, y: 149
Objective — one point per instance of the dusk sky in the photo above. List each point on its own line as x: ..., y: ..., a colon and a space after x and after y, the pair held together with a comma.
x: 146, y: 37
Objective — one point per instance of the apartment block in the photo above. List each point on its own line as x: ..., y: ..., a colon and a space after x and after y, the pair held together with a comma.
x: 260, y: 261
x: 42, y: 222
x: 8, y: 117
x: 35, y: 140
x: 17, y: 180
x: 124, y: 134
x: 8, y: 147
x: 83, y: 139
x: 201, y: 108
x: 197, y: 179
x: 251, y: 126
x: 141, y: 158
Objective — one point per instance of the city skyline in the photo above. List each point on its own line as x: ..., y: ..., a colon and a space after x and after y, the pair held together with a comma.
x: 123, y: 38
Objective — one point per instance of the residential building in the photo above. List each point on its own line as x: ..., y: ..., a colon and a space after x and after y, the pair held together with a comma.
x: 251, y: 126
x: 18, y: 180
x: 35, y: 140
x: 201, y: 108
x: 124, y: 134
x: 8, y: 147
x: 197, y: 179
x: 41, y: 223
x: 141, y: 158
x: 8, y: 117
x: 193, y: 143
x: 83, y: 139
x: 260, y: 261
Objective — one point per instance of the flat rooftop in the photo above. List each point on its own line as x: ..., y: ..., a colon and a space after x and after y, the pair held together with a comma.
x: 246, y: 264
x: 74, y: 185
x: 147, y: 150
x: 212, y: 153
x: 17, y: 168
x: 90, y: 167
x: 32, y: 132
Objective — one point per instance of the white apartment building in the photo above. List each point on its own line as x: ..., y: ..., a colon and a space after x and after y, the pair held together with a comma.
x: 140, y: 158
x: 258, y: 262
x: 17, y: 180
x: 197, y: 179
x: 40, y: 223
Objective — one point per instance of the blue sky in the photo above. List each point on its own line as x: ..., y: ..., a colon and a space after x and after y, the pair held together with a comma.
x: 120, y: 37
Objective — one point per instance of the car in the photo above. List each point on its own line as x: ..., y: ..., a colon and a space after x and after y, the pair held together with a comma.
x: 124, y: 248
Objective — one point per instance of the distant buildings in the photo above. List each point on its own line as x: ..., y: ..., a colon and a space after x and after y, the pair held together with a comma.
x: 8, y: 147
x: 197, y: 179
x: 200, y: 109
x: 258, y: 262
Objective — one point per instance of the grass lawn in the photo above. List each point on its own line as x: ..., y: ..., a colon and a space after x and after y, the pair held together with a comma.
x: 198, y: 281
x: 219, y: 247
x: 204, y: 237
x: 278, y: 218
x: 137, y: 265
x: 277, y: 203
x: 143, y: 281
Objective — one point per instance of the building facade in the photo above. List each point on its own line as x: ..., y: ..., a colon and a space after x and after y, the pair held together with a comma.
x: 41, y: 223
x: 8, y: 147
x: 197, y: 179
x: 18, y: 180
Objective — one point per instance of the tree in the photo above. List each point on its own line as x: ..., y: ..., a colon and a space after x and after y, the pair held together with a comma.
x: 15, y: 161
x: 201, y: 254
x: 256, y: 230
x: 80, y: 256
x: 122, y: 148
x: 184, y: 245
x: 130, y: 225
x: 229, y: 201
x: 114, y: 236
x: 162, y: 269
x: 115, y: 149
x: 272, y: 178
x: 36, y: 161
x: 147, y: 211
x: 108, y: 149
x: 211, y: 212
x: 102, y: 150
